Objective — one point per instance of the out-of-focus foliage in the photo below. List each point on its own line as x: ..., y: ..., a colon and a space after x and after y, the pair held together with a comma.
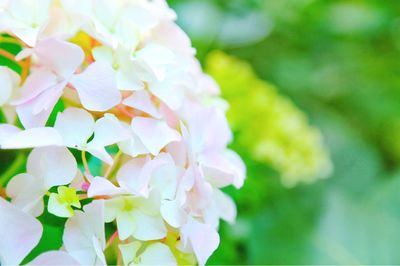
x: 268, y: 125
x: 339, y: 62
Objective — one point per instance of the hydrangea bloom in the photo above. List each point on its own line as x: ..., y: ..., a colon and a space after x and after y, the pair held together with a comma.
x: 138, y: 147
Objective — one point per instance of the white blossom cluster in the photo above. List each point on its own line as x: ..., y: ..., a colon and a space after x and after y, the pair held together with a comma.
x: 135, y: 99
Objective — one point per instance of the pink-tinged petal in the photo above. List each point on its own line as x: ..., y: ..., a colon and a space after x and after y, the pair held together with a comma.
x: 223, y: 169
x: 50, y: 258
x: 36, y: 83
x: 225, y: 205
x: 9, y: 82
x: 173, y: 37
x: 32, y: 137
x: 97, y: 87
x: 154, y: 134
x: 100, y: 186
x: 19, y: 234
x: 209, y: 130
x: 200, y: 196
x: 141, y: 100
x: 76, y: 126
x: 222, y: 206
x: 203, y: 239
x: 60, y: 56
x: 26, y: 192
x: 148, y: 227
x: 169, y: 115
x: 82, y: 230
x: 36, y: 112
x: 104, y: 126
x: 56, y: 165
x: 178, y: 152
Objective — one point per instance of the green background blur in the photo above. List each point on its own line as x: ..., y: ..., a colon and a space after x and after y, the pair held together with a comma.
x: 339, y: 62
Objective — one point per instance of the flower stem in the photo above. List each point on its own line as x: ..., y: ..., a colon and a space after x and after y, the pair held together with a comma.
x: 111, y: 168
x: 12, y: 40
x: 111, y: 239
x: 12, y: 169
x: 85, y: 165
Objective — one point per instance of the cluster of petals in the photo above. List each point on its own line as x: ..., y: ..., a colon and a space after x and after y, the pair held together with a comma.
x: 136, y: 100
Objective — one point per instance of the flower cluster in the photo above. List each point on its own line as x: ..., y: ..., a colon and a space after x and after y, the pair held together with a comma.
x: 129, y: 135
x: 278, y: 133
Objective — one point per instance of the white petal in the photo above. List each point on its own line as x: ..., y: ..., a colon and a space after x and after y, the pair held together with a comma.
x: 54, y: 258
x: 56, y: 165
x: 202, y: 237
x: 32, y: 137
x: 129, y: 251
x: 97, y: 87
x: 157, y: 254
x: 75, y: 125
x: 103, y: 54
x: 148, y: 227
x: 156, y: 58
x: 126, y: 224
x: 6, y: 131
x: 112, y: 208
x: 26, y: 192
x: 154, y: 134
x: 99, y: 186
x: 19, y: 233
x: 132, y: 146
x: 170, y: 93
x: 173, y: 213
x: 80, y: 230
x: 135, y: 175
x: 109, y: 130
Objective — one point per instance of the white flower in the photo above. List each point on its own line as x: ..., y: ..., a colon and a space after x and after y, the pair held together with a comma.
x: 47, y: 167
x: 84, y: 235
x: 25, y: 18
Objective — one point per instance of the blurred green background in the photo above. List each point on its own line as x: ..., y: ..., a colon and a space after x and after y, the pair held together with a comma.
x: 335, y: 67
